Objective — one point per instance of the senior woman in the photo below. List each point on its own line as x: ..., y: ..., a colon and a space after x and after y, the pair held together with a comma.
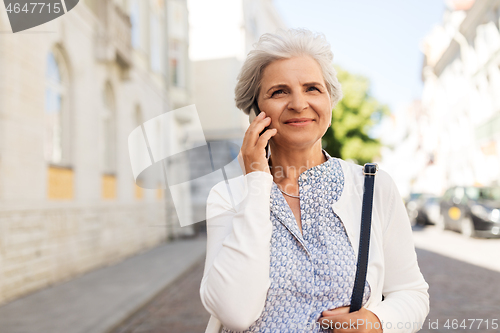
x: 283, y: 240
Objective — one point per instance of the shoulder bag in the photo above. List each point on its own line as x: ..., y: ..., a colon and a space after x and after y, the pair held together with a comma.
x: 369, y: 170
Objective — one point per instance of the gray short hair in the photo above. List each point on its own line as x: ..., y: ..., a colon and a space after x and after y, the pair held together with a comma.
x: 283, y: 45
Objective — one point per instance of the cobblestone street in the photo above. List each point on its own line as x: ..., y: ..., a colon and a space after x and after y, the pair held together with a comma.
x: 458, y: 291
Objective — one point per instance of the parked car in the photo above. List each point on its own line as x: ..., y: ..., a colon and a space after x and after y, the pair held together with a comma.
x: 471, y: 210
x: 423, y: 208
x: 429, y: 211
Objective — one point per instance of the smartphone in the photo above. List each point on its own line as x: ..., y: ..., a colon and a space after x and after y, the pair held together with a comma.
x: 254, y: 112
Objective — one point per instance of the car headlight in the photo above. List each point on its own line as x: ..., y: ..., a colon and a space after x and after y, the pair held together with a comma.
x: 495, y: 215
x: 485, y: 213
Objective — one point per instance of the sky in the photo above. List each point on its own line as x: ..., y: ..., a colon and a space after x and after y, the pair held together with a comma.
x: 379, y: 39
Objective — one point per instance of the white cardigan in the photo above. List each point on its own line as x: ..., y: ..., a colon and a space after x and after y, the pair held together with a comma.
x: 236, y: 275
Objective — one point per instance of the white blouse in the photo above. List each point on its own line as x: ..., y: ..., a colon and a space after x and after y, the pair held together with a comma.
x: 237, y: 276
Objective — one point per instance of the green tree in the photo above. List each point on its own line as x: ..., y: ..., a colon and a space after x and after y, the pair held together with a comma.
x: 352, y: 119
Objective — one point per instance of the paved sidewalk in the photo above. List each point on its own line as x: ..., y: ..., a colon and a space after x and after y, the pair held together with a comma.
x: 100, y: 300
x: 476, y: 251
x: 177, y: 309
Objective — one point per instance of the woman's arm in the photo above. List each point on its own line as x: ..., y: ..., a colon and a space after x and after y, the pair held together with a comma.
x: 236, y: 276
x: 406, y: 300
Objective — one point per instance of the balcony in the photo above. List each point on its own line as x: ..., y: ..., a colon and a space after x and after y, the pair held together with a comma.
x: 113, y: 37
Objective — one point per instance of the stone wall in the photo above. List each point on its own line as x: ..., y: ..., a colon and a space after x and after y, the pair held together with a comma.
x: 41, y: 247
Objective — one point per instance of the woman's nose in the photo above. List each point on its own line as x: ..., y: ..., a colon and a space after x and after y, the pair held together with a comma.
x: 298, y: 102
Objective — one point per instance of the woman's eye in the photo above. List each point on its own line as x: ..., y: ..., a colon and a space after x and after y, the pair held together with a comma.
x: 277, y: 92
x: 314, y: 88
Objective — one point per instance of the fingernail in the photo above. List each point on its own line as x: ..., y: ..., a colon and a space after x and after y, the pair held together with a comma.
x: 262, y: 114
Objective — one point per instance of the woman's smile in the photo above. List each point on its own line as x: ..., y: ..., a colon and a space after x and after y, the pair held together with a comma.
x: 301, y: 123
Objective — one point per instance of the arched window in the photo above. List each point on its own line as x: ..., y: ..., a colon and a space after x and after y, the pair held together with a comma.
x: 56, y: 145
x: 108, y: 143
x: 108, y: 118
x: 57, y: 140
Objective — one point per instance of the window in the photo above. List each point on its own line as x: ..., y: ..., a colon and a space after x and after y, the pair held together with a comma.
x: 55, y: 110
x: 57, y: 127
x: 459, y: 195
x: 108, y: 130
x: 156, y: 39
x: 108, y: 139
x: 176, y: 70
x: 448, y: 194
x: 135, y: 19
x: 155, y: 49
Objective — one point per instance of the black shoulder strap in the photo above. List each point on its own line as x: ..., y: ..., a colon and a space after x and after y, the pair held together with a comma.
x: 369, y: 170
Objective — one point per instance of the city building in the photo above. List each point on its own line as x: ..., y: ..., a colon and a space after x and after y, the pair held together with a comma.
x: 457, y: 130
x: 222, y: 32
x: 71, y: 91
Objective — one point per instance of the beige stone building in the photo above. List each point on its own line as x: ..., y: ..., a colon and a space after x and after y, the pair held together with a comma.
x: 71, y: 91
x: 453, y: 136
x: 461, y: 76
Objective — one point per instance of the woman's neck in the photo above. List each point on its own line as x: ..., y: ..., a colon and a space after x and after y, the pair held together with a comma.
x: 287, y: 165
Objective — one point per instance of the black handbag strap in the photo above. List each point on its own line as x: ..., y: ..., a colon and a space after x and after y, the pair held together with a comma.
x: 369, y: 170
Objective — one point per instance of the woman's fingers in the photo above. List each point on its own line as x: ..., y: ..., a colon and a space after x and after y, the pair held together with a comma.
x: 265, y: 137
x: 344, y: 322
x: 253, y: 131
x: 337, y: 311
x: 259, y: 126
x: 253, y: 151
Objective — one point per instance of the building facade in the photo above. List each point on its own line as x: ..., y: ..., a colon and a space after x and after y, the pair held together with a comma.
x: 71, y: 91
x: 457, y: 131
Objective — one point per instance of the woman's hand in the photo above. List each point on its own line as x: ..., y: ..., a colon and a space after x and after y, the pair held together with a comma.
x: 253, y: 149
x: 341, y: 321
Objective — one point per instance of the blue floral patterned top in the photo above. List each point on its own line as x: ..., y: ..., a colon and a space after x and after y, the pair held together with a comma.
x: 312, y: 271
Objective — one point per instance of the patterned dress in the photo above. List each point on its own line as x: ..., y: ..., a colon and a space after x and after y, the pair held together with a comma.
x: 313, y: 271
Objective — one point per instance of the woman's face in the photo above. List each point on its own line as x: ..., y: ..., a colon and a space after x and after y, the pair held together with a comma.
x: 292, y: 89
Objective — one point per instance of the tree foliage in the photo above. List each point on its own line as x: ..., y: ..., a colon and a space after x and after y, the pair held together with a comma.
x: 352, y: 119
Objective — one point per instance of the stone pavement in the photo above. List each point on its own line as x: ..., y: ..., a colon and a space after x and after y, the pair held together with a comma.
x: 460, y: 291
x: 463, y: 277
x: 100, y: 300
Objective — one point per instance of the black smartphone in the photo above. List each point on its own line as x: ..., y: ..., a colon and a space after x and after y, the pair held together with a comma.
x: 255, y: 109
